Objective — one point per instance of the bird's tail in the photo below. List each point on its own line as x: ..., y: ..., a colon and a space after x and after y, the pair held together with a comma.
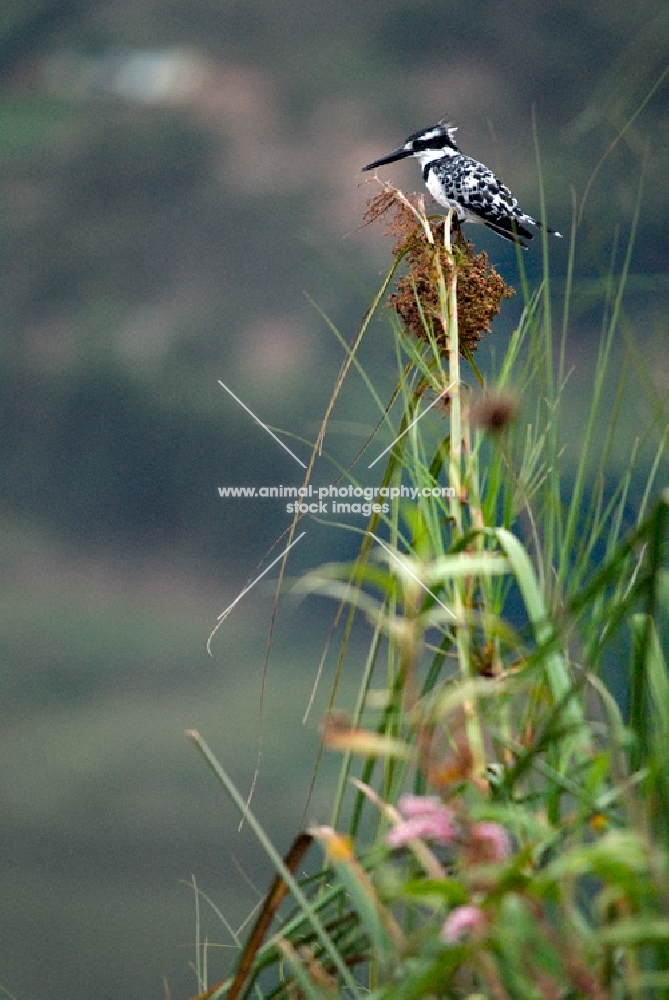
x: 539, y: 225
x: 510, y: 229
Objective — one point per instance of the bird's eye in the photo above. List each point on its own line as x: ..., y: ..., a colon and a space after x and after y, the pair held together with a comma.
x: 436, y: 142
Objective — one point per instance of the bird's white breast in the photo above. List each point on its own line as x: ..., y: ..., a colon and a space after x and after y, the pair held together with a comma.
x: 426, y: 157
x: 436, y: 189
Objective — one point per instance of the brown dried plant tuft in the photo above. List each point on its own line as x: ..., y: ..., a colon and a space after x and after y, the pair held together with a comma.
x: 494, y: 412
x: 480, y: 289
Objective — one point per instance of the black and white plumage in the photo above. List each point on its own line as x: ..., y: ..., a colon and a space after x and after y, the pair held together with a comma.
x: 460, y: 182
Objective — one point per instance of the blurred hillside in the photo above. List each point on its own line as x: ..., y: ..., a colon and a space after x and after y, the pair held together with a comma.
x: 180, y: 184
x: 175, y: 177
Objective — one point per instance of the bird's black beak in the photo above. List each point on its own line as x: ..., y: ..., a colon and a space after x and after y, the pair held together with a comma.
x: 398, y: 154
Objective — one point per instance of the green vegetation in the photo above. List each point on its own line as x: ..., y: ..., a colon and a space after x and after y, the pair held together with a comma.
x: 500, y: 823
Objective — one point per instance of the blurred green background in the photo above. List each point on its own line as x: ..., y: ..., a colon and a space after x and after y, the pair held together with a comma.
x: 180, y: 183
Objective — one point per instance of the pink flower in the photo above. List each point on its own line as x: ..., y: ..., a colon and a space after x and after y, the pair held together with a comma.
x: 424, y: 817
x: 488, y: 841
x: 461, y: 921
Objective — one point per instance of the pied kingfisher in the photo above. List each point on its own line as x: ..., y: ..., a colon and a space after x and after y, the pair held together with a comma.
x: 457, y: 181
